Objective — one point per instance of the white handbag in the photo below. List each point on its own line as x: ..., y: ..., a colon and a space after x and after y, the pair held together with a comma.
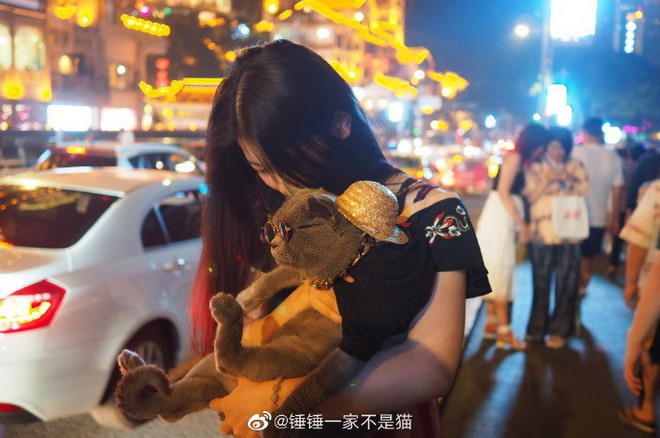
x: 570, y: 219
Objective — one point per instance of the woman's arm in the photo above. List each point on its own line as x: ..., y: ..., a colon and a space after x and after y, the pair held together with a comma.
x: 508, y: 171
x: 646, y: 317
x: 419, y: 369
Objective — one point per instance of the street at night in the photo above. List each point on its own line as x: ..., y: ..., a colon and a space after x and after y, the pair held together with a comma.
x: 265, y: 217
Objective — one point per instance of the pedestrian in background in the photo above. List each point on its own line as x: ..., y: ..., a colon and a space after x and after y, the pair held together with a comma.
x: 641, y: 232
x: 501, y: 219
x: 554, y: 175
x: 629, y: 154
x: 605, y: 173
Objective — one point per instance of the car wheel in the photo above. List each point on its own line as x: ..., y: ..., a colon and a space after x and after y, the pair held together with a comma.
x: 154, y: 345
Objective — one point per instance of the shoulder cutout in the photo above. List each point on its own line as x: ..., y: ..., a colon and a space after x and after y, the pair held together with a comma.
x: 435, y: 194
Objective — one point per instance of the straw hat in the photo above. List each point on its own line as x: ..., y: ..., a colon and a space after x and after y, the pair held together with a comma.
x: 373, y: 208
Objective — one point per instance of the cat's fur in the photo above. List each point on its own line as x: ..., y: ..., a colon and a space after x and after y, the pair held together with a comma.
x: 323, y: 244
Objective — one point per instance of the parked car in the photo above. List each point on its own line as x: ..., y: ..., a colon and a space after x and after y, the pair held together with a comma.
x: 136, y: 155
x: 91, y: 261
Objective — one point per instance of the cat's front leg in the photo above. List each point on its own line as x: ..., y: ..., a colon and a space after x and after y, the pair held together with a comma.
x: 266, y: 286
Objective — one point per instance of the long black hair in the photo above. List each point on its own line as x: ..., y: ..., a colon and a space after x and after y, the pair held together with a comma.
x: 532, y: 137
x: 284, y: 99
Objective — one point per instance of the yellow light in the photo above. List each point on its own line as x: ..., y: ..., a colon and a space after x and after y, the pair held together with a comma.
x: 359, y: 16
x: 264, y: 26
x: 84, y: 20
x: 45, y: 94
x: 13, y: 89
x: 639, y: 15
x: 458, y: 158
x: 427, y: 109
x: 448, y: 92
x: 230, y: 56
x: 167, y: 112
x: 65, y: 12
x: 493, y: 168
x: 171, y: 126
x: 76, y: 150
x: 4, y: 126
x: 193, y: 127
x: 286, y: 14
x: 272, y: 6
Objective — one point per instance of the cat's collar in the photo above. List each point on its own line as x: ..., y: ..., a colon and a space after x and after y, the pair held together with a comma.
x: 326, y: 283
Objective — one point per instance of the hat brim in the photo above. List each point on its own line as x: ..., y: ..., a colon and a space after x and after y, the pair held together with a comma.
x: 392, y: 235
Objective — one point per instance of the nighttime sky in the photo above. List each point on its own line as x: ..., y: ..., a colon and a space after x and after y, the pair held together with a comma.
x: 475, y: 39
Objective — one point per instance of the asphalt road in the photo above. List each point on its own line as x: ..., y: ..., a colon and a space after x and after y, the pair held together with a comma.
x: 202, y: 424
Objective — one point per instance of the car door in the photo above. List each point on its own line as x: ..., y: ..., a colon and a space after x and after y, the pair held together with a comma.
x: 171, y: 238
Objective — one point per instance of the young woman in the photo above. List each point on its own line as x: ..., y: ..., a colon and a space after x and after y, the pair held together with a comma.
x: 502, y: 216
x: 283, y: 116
x: 554, y: 175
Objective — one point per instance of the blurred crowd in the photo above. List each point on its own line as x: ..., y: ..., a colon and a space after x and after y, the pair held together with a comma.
x: 566, y: 205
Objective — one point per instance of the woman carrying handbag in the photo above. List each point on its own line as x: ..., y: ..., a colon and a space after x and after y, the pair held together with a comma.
x: 555, y: 187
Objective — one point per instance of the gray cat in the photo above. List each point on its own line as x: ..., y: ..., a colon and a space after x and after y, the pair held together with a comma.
x: 308, y: 238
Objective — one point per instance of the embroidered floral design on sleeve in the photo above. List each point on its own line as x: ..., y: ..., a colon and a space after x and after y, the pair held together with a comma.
x: 449, y: 226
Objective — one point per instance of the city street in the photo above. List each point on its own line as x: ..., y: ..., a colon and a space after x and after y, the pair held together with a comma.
x: 571, y: 392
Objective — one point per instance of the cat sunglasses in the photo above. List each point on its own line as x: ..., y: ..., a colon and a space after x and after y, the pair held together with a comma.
x: 270, y: 230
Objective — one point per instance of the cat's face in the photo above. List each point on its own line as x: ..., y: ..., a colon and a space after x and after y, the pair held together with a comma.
x: 320, y: 242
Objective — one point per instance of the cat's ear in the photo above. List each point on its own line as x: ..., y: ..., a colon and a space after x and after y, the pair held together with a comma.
x: 323, y: 206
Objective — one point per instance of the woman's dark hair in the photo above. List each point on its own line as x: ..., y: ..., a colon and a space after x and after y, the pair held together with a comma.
x: 533, y: 136
x: 283, y: 100
x: 565, y: 137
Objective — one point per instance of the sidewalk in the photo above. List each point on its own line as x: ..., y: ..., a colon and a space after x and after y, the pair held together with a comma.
x: 572, y: 392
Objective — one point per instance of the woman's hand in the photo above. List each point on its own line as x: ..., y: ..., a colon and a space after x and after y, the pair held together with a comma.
x: 524, y: 231
x: 247, y: 399
x: 636, y: 355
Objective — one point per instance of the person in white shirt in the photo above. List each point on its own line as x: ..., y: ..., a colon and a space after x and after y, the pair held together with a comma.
x: 605, y: 173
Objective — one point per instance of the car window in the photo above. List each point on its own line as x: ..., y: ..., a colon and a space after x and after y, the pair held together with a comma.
x: 55, y: 159
x: 175, y: 219
x: 152, y: 231
x: 152, y: 160
x: 48, y: 217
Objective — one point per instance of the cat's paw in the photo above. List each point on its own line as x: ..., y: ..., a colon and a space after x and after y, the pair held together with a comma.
x: 225, y: 309
x: 143, y: 392
x: 247, y: 299
x: 128, y: 360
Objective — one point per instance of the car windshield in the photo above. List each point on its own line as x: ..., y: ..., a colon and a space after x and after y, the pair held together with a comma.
x: 48, y: 217
x: 54, y: 159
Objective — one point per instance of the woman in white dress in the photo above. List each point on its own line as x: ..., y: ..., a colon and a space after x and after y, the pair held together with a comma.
x: 502, y: 217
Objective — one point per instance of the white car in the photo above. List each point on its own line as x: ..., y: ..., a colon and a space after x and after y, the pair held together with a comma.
x: 160, y: 156
x: 91, y: 261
